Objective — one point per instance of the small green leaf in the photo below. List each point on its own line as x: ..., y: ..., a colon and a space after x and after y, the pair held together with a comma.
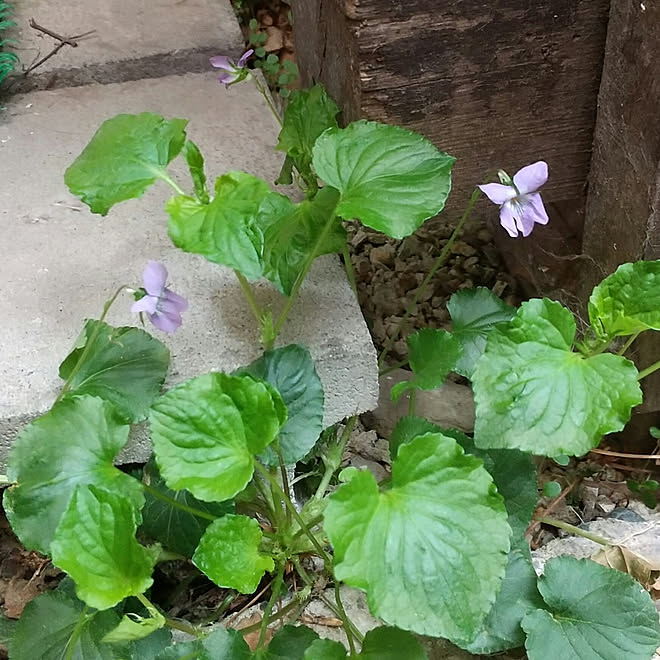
x: 285, y: 177
x: 290, y: 370
x: 442, y: 509
x: 253, y: 24
x: 408, y: 428
x: 260, y: 51
x: 290, y: 643
x: 551, y: 488
x: 285, y: 93
x: 95, y: 544
x: 74, y: 443
x: 517, y: 597
x: 389, y: 178
x: 592, y: 613
x: 207, y: 431
x: 474, y: 313
x: 195, y: 161
x: 325, y: 649
x: 228, y: 553
x: 432, y: 354
x: 133, y: 627
x: 533, y: 393
x: 125, y: 366
x: 628, y: 301
x: 562, y: 460
x: 292, y: 68
x: 166, y: 521
x: 391, y: 644
x: 125, y: 156
x: 53, y: 621
x: 655, y: 432
x: 221, y: 644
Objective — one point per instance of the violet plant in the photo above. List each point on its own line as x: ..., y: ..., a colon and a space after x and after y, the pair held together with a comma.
x: 439, y: 547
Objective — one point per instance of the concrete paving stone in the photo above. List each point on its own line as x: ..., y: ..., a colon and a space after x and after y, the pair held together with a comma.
x: 132, y: 39
x: 59, y: 263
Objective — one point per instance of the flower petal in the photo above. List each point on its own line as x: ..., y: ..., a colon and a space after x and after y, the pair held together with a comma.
x: 245, y: 57
x: 166, y: 322
x: 222, y: 62
x: 525, y: 220
x: 154, y: 278
x: 497, y: 193
x: 536, y: 205
x: 530, y: 178
x: 147, y: 304
x: 173, y: 300
x: 507, y: 220
x: 227, y: 78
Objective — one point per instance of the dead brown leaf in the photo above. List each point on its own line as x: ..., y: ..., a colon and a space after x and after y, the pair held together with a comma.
x: 625, y: 560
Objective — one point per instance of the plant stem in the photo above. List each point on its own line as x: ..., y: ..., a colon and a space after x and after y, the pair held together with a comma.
x: 649, y: 370
x: 274, y: 594
x: 626, y: 346
x: 344, y: 619
x: 574, y: 530
x: 411, y: 402
x: 278, y: 615
x: 332, y: 461
x: 285, y: 483
x: 429, y: 276
x: 75, y: 634
x: 250, y: 297
x: 177, y: 505
x: 89, y: 344
x: 266, y: 95
x: 289, y: 505
x: 176, y: 624
x: 394, y: 367
x: 164, y: 176
x: 350, y: 271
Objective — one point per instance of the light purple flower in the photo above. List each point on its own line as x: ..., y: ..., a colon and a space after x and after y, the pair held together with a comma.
x: 160, y: 304
x: 232, y: 72
x: 519, y: 200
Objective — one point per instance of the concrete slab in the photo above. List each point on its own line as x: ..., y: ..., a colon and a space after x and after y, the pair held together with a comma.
x: 132, y: 39
x: 59, y: 263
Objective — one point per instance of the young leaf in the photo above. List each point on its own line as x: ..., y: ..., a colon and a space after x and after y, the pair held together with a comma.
x: 290, y: 370
x: 95, y: 544
x: 474, y: 313
x: 133, y: 627
x: 289, y: 643
x: 54, y: 624
x: 195, y: 161
x: 168, y: 519
x: 221, y: 644
x: 125, y: 156
x: 628, y: 301
x: 228, y: 553
x: 389, y: 178
x: 207, y: 431
x: 74, y: 443
x: 592, y: 612
x: 433, y: 354
x: 517, y: 597
x: 533, y: 393
x: 126, y: 367
x: 431, y: 551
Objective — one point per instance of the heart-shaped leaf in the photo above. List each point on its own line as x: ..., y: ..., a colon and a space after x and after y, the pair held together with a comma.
x: 125, y: 366
x: 125, y: 156
x: 431, y: 551
x: 389, y: 178
x: 533, y: 393
x: 379, y: 644
x: 221, y: 644
x: 74, y: 443
x: 207, y: 431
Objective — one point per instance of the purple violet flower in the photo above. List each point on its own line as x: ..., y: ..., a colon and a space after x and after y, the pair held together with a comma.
x: 232, y: 72
x: 518, y: 198
x: 160, y: 304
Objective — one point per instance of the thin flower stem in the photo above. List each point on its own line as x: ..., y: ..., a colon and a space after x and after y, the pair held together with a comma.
x: 627, y: 345
x: 618, y: 454
x: 176, y: 504
x: 89, y: 344
x: 350, y: 271
x: 429, y: 276
x: 250, y: 297
x: 274, y: 594
x: 285, y: 483
x: 649, y: 370
x: 575, y: 530
x: 266, y: 95
x: 344, y: 619
x: 394, y: 367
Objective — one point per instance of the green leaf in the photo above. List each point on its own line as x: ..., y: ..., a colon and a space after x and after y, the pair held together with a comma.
x: 290, y: 370
x: 325, y: 649
x: 389, y: 178
x: 165, y: 519
x: 74, y: 443
x: 125, y: 366
x: 533, y: 393
x: 517, y: 597
x: 149, y: 647
x: 593, y: 613
x: 289, y: 643
x: 285, y: 177
x: 260, y: 52
x: 207, y: 431
x: 228, y: 553
x: 53, y: 621
x: 408, y: 428
x: 195, y: 161
x: 7, y: 631
x: 221, y: 644
x: 551, y: 488
x: 432, y: 354
x: 431, y: 551
x: 125, y: 156
x: 133, y: 627
x: 95, y: 544
x: 474, y: 313
x: 628, y: 301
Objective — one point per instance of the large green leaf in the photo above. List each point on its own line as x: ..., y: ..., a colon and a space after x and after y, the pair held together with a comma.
x: 517, y: 597
x: 431, y: 551
x: 628, y: 301
x: 593, y: 613
x: 54, y: 621
x: 389, y: 178
x: 221, y: 644
x: 168, y: 515
x: 379, y: 644
x: 125, y: 156
x: 195, y: 161
x: 533, y: 393
x: 74, y: 443
x: 95, y: 544
x: 125, y: 366
x: 207, y: 431
x: 474, y: 313
x: 228, y: 553
x: 432, y: 355
x: 325, y: 649
x: 290, y: 370
x: 149, y: 647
